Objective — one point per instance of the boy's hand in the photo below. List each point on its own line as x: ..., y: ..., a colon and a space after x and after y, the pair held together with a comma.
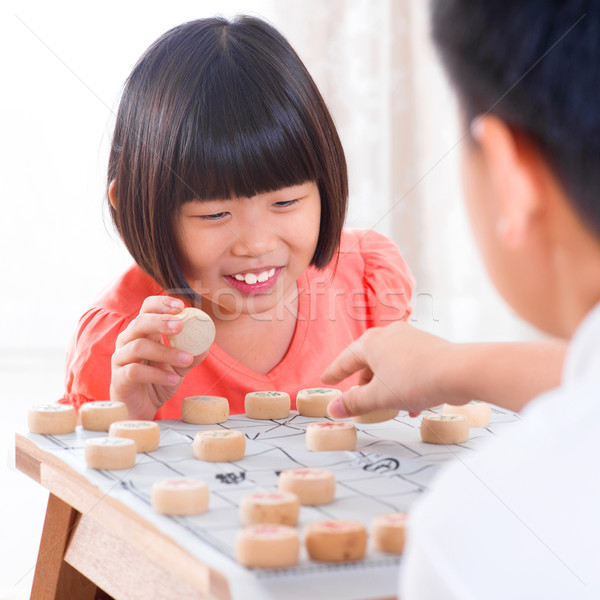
x: 399, y: 367
x: 145, y: 371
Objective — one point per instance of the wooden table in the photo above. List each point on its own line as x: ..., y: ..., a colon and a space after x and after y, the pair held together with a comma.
x: 92, y: 541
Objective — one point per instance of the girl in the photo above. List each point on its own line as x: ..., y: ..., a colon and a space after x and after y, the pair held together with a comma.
x: 227, y: 182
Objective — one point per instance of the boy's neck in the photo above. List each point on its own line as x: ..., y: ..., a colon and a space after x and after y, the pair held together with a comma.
x: 576, y: 269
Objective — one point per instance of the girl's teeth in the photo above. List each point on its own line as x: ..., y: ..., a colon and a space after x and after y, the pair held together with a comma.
x: 251, y: 278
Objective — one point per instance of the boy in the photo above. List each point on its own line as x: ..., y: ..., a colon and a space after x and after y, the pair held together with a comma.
x: 521, y: 519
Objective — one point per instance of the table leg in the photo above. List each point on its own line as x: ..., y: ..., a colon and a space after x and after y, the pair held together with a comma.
x: 55, y: 579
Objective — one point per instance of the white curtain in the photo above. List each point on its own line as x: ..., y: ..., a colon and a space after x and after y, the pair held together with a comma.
x: 378, y: 71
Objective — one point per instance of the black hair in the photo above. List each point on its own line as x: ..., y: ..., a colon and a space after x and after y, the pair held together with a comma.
x: 535, y: 65
x: 219, y: 109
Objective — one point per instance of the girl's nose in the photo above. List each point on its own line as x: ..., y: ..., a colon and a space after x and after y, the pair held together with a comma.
x: 256, y: 238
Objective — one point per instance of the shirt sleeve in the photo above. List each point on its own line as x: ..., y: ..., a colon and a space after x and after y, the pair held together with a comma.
x: 88, y: 366
x: 388, y: 281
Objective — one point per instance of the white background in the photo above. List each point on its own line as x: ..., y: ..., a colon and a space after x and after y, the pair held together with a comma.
x: 63, y: 65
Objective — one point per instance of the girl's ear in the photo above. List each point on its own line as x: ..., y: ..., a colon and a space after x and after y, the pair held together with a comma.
x: 513, y: 171
x: 111, y: 193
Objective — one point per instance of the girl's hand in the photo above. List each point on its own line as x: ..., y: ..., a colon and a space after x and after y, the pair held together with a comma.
x: 145, y: 371
x: 399, y: 368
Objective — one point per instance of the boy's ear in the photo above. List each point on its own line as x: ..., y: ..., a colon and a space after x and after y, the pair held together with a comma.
x: 111, y: 194
x: 512, y: 169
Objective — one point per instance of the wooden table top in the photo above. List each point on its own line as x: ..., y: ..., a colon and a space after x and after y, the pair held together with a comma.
x: 129, y: 557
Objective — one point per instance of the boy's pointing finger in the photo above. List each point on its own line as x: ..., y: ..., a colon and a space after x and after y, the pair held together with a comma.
x: 349, y: 361
x: 358, y: 400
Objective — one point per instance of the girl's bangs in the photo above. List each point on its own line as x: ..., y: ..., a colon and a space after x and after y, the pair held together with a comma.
x: 239, y: 142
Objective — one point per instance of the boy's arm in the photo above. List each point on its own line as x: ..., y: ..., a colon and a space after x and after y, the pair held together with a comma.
x: 409, y: 369
x: 507, y: 374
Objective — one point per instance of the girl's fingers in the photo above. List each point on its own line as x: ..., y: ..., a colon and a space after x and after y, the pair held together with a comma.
x: 140, y: 374
x: 183, y: 371
x: 162, y: 305
x: 143, y: 349
x: 141, y: 358
x: 149, y: 324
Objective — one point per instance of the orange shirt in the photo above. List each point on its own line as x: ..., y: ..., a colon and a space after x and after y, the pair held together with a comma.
x: 370, y: 286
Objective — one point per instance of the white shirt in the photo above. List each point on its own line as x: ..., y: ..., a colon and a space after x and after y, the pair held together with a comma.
x: 522, y: 518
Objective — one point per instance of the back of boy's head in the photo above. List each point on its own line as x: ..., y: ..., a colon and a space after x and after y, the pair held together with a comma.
x: 535, y: 65
x: 218, y: 109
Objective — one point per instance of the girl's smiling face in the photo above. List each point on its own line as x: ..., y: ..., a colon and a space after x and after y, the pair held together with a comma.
x: 244, y: 255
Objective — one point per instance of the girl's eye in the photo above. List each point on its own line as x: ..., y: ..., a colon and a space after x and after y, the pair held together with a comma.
x: 214, y: 217
x: 286, y: 203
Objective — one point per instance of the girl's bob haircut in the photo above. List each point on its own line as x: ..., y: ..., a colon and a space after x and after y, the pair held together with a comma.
x: 218, y: 109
